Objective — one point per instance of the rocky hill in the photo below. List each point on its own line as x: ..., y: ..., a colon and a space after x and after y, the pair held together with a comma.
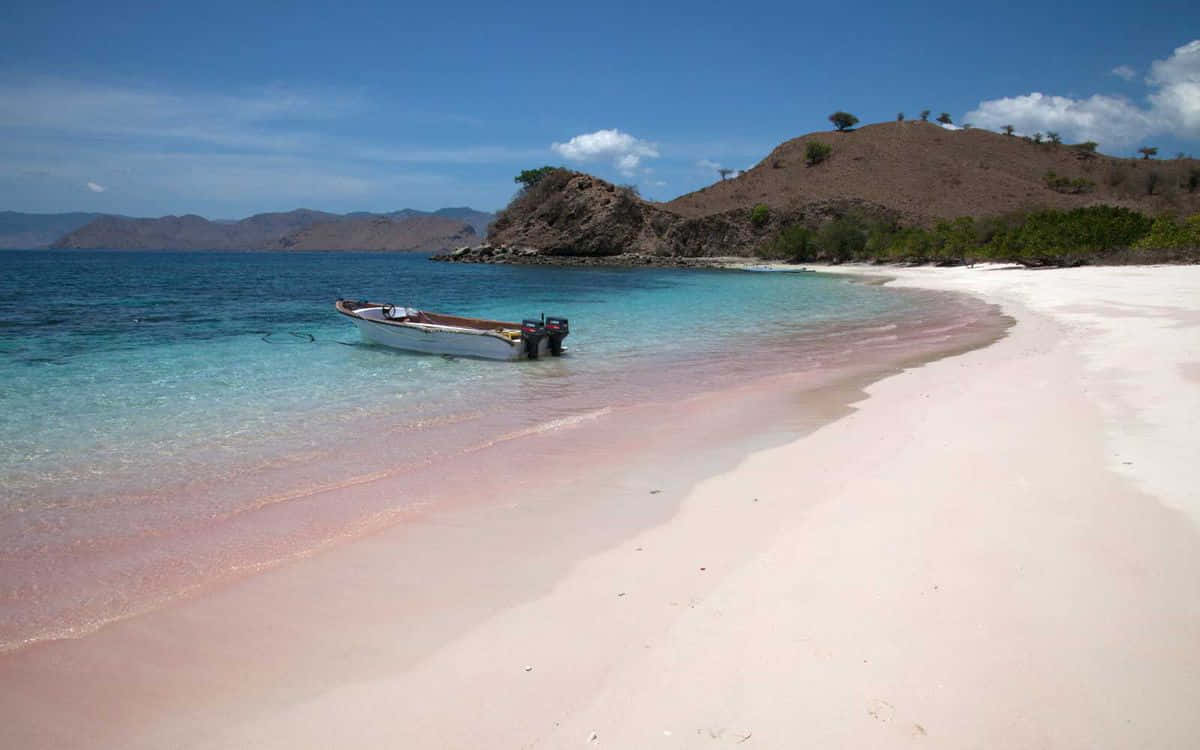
x: 573, y: 214
x: 906, y: 173
x: 302, y: 229
x: 925, y: 172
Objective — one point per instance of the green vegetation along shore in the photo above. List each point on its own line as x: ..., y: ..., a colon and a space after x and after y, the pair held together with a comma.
x: 1093, y: 234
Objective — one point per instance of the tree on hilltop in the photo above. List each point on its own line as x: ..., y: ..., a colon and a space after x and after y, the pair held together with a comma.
x: 724, y: 172
x: 899, y: 117
x: 1053, y: 137
x: 1008, y: 129
x: 530, y: 177
x: 843, y: 120
x: 924, y: 115
x: 944, y: 118
x: 1147, y: 151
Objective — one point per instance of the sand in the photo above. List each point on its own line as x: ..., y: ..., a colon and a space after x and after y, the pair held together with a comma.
x: 996, y: 549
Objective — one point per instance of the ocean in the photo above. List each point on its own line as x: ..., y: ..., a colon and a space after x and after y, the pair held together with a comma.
x: 170, y: 419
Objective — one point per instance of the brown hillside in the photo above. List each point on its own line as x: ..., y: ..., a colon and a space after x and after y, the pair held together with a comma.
x: 925, y: 172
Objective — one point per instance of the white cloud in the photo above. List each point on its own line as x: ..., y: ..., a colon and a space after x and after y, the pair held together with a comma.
x: 708, y: 164
x: 1124, y: 71
x: 1173, y: 107
x: 95, y: 188
x: 1178, y: 81
x: 65, y: 107
x: 625, y: 151
x: 1105, y: 119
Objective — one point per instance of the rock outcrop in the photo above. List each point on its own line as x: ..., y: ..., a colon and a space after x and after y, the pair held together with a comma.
x: 573, y: 214
x: 569, y: 214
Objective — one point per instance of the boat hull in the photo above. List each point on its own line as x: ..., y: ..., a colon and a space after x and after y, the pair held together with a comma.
x: 429, y: 340
x: 433, y: 333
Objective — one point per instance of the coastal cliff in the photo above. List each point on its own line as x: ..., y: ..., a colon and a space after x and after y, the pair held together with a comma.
x: 574, y: 215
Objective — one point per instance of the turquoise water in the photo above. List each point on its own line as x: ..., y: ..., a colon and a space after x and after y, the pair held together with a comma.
x: 114, y: 363
x: 153, y: 402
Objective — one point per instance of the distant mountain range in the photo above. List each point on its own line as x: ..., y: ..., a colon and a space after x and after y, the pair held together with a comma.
x: 302, y: 229
x: 24, y: 231
x: 478, y: 220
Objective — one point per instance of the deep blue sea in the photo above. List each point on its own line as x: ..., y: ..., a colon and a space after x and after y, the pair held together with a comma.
x: 156, y: 395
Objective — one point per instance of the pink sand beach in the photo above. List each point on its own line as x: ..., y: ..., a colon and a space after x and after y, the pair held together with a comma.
x: 989, y: 541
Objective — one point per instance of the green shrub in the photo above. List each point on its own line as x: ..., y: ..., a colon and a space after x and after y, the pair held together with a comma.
x: 1167, y: 232
x: 1064, y: 184
x: 842, y: 239
x: 794, y: 244
x: 760, y: 214
x: 954, y: 240
x: 816, y: 152
x: 1042, y: 238
x: 1067, y: 237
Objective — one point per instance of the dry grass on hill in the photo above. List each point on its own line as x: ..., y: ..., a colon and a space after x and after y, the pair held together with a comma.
x: 926, y: 172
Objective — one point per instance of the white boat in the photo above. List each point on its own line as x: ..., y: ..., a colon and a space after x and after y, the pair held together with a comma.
x: 764, y: 268
x: 434, y: 333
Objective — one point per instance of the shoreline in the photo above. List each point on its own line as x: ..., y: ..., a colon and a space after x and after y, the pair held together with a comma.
x: 487, y: 253
x: 788, y: 599
x: 230, y: 521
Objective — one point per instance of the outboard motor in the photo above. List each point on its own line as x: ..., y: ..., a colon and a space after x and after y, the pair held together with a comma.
x: 532, y: 333
x: 557, y: 329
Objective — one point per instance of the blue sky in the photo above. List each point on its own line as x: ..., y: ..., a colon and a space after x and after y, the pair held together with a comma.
x: 227, y: 109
